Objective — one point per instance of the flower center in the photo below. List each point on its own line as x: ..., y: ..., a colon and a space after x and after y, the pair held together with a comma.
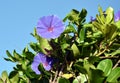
x: 50, y: 29
x: 45, y: 64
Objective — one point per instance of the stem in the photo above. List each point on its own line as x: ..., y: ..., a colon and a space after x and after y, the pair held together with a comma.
x: 101, y: 52
x: 50, y: 81
x: 116, y: 64
x: 105, y: 48
x: 104, y: 57
x: 56, y: 74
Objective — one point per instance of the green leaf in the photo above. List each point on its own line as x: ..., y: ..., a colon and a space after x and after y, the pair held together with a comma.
x: 77, y: 17
x: 117, y: 51
x: 11, y: 58
x: 100, y: 10
x: 43, y: 80
x: 29, y: 55
x: 75, y: 50
x: 63, y: 80
x: 1, y: 81
x: 109, y: 17
x: 81, y: 69
x: 96, y: 76
x: 4, y: 75
x: 73, y: 15
x: 70, y: 29
x: 44, y: 44
x: 98, y: 26
x: 82, y: 15
x: 65, y: 18
x: 105, y: 66
x: 67, y: 76
x: 80, y: 79
x: 93, y: 59
x: 110, y: 31
x: 4, y: 78
x: 100, y: 18
x: 82, y: 35
x: 77, y: 80
x: 35, y: 47
x: 118, y: 24
x: 14, y: 77
x: 17, y: 56
x: 114, y: 75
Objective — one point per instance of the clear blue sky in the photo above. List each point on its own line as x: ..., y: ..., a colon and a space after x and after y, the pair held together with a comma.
x: 19, y: 17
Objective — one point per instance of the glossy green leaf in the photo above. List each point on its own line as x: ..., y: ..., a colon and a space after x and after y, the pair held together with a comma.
x: 43, y: 80
x: 77, y: 79
x: 75, y: 50
x: 73, y: 16
x: 117, y: 51
x: 82, y: 35
x: 11, y: 58
x: 82, y: 15
x: 80, y: 68
x: 63, y: 80
x: 17, y: 56
x: 1, y: 81
x: 100, y: 19
x: 114, y: 75
x: 80, y: 79
x: 98, y: 26
x: 93, y: 59
x: 44, y: 44
x: 100, y: 10
x: 70, y: 29
x: 118, y: 24
x: 76, y: 17
x: 65, y: 18
x: 110, y: 31
x: 109, y: 17
x: 29, y: 55
x: 35, y: 47
x: 4, y: 75
x: 14, y: 77
x: 67, y: 76
x: 96, y: 76
x: 105, y: 66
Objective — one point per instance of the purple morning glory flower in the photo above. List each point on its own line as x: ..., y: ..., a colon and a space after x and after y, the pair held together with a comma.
x: 92, y: 19
x: 117, y: 16
x: 50, y: 27
x: 46, y: 61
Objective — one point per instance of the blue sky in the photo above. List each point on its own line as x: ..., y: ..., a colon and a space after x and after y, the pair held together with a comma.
x: 19, y: 17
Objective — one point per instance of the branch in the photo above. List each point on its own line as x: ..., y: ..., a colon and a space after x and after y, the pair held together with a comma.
x: 116, y: 64
x: 56, y: 74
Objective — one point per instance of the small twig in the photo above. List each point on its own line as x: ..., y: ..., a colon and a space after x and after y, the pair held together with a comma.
x: 104, y: 57
x: 50, y: 81
x: 106, y: 48
x: 116, y: 64
x: 101, y: 52
x: 60, y: 73
x: 56, y: 74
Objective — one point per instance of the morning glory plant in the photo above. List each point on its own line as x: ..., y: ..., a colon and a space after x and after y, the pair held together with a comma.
x: 70, y: 50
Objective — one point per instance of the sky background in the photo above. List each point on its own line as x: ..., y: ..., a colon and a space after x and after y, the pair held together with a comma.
x: 19, y: 17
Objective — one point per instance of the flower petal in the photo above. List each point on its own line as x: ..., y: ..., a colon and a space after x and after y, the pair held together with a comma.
x: 39, y: 58
x: 117, y: 16
x: 34, y: 67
